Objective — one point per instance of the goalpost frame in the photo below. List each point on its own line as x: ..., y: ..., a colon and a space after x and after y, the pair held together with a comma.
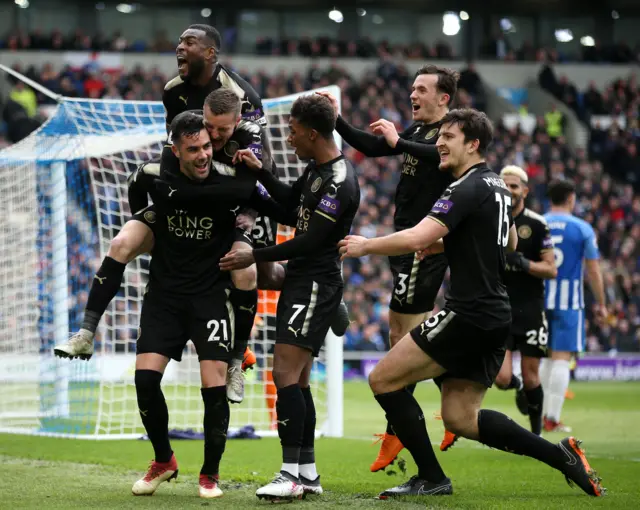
x: 333, y: 425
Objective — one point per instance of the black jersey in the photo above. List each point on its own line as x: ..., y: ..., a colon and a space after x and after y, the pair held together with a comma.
x: 332, y: 191
x: 192, y: 237
x: 247, y: 135
x: 477, y: 211
x: 180, y: 95
x: 534, y: 238
x: 421, y: 182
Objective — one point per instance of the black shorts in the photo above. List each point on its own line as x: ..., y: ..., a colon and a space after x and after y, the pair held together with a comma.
x: 168, y: 321
x: 463, y: 349
x: 416, y: 283
x: 305, y: 311
x: 148, y: 216
x: 529, y: 334
x: 265, y: 232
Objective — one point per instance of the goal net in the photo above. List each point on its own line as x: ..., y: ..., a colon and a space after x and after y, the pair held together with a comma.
x: 63, y: 199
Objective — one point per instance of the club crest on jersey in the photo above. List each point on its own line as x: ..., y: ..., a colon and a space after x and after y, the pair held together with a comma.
x: 231, y: 148
x: 524, y: 231
x: 150, y: 216
x: 433, y: 132
x: 316, y: 185
x: 442, y: 206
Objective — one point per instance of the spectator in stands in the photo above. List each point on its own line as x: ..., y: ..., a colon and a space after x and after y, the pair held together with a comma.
x: 554, y: 122
x: 25, y: 97
x: 592, y: 100
x: 471, y: 83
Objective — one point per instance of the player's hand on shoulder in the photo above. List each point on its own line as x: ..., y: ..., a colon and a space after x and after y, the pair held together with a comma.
x: 352, y: 247
x: 237, y: 259
x: 387, y: 129
x: 248, y: 157
x: 332, y: 99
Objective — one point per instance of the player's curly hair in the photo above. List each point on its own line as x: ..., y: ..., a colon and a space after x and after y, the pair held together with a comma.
x: 447, y: 79
x: 187, y: 123
x: 222, y: 101
x: 559, y: 191
x: 315, y: 112
x: 475, y: 125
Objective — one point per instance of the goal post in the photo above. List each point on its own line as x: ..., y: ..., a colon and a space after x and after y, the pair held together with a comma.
x: 64, y: 195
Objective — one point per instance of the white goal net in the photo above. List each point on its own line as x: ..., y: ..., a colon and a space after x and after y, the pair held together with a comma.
x: 63, y: 197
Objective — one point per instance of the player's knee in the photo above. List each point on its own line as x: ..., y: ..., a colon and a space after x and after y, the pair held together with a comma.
x: 147, y: 382
x: 378, y: 382
x: 213, y: 373
x: 395, y: 335
x: 122, y: 248
x: 530, y: 379
x: 503, y: 379
x: 462, y: 422
x: 245, y: 279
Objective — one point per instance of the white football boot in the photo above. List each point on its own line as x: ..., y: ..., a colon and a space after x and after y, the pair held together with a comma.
x: 283, y: 487
x: 80, y: 345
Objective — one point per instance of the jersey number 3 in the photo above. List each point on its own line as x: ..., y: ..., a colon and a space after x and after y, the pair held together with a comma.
x: 504, y: 203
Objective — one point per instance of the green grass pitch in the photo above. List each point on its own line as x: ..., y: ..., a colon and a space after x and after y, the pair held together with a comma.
x: 67, y: 474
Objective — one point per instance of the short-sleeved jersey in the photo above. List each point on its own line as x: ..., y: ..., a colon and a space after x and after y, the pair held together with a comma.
x: 332, y: 191
x: 421, y: 182
x: 180, y: 96
x: 573, y: 241
x: 477, y: 211
x: 190, y: 240
x: 534, y: 239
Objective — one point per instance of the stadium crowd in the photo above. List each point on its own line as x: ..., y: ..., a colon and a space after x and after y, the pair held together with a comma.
x: 496, y: 46
x: 607, y: 178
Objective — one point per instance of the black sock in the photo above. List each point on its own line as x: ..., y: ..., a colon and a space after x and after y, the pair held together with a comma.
x: 307, y: 452
x: 501, y: 432
x: 411, y: 388
x: 154, y: 413
x: 535, y: 397
x: 105, y: 286
x: 216, y: 424
x: 407, y: 419
x: 245, y: 304
x: 291, y: 409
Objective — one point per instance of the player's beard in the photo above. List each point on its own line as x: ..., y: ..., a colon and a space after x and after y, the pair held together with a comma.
x: 195, y: 68
x: 517, y: 200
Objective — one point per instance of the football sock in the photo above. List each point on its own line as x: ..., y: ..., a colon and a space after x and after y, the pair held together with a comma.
x: 216, y: 424
x: 407, y: 419
x: 245, y: 305
x: 535, y: 399
x: 411, y: 388
x: 501, y: 432
x: 291, y: 408
x: 558, y: 384
x: 104, y: 288
x: 307, y: 453
x: 153, y: 412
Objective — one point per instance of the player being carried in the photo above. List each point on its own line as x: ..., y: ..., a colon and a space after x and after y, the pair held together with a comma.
x: 576, y: 252
x: 199, y: 74
x: 462, y: 345
x: 187, y: 298
x: 324, y: 201
x: 416, y: 282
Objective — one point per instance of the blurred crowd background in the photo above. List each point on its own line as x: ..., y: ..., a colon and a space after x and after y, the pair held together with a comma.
x: 606, y: 171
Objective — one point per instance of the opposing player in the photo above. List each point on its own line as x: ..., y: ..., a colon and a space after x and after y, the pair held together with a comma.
x: 463, y: 344
x: 575, y: 248
x: 323, y: 202
x: 187, y: 298
x: 199, y: 74
x: 416, y: 282
x: 526, y: 270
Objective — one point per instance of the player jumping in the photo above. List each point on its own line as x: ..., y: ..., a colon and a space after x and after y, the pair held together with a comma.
x: 323, y: 201
x: 462, y: 345
x: 416, y: 282
x: 574, y: 241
